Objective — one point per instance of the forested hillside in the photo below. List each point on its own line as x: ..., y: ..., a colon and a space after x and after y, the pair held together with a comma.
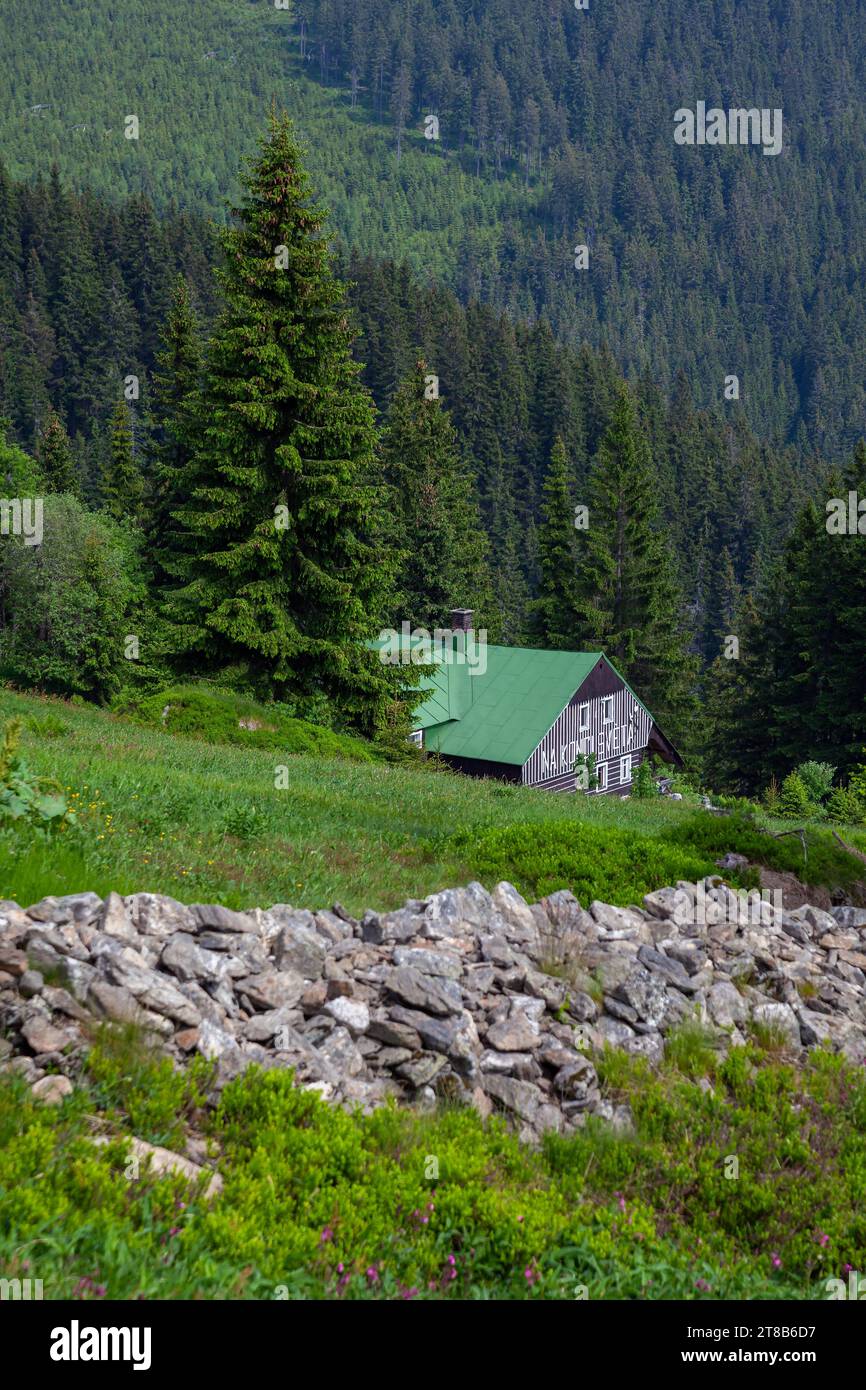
x: 85, y: 286
x: 555, y: 128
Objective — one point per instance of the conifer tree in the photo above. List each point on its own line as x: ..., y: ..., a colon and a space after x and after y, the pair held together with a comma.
x: 175, y: 399
x: 435, y: 523
x: 283, y: 584
x: 122, y: 487
x: 55, y: 457
x: 629, y: 600
x: 555, y: 616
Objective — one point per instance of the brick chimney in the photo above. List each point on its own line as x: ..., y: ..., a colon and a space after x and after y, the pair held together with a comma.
x: 461, y: 619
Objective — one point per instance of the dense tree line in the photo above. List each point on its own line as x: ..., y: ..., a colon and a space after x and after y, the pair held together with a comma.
x: 555, y: 129
x: 246, y: 518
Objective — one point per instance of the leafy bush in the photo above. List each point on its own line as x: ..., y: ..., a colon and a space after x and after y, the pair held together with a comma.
x: 644, y: 782
x: 69, y: 602
x: 772, y: 797
x: 46, y: 726
x: 817, y: 778
x: 221, y: 716
x: 615, y: 866
x: 825, y: 862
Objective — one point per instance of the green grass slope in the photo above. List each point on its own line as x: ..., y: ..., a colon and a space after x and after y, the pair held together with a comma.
x: 247, y: 826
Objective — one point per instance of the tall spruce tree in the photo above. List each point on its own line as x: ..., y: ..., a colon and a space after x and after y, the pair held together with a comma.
x: 435, y: 525
x: 175, y: 403
x: 629, y: 598
x: 55, y: 457
x: 122, y: 486
x: 555, y: 616
x: 283, y: 584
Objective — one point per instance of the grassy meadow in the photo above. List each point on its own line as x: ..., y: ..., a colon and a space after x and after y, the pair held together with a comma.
x: 205, y: 822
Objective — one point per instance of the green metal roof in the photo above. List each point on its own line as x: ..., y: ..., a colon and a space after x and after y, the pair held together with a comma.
x: 502, y: 713
x: 512, y: 705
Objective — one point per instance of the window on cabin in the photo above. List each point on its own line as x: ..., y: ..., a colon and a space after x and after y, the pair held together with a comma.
x: 584, y: 718
x: 625, y: 770
x: 601, y: 774
x: 417, y: 738
x: 607, y: 710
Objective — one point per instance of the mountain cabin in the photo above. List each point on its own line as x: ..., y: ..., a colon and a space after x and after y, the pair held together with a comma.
x: 524, y: 715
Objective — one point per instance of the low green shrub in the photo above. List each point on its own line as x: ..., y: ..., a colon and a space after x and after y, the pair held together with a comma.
x: 749, y: 1188
x: 220, y: 716
x: 615, y: 866
x: 24, y: 796
x: 824, y: 863
x: 844, y: 808
x: 817, y: 778
x: 794, y: 800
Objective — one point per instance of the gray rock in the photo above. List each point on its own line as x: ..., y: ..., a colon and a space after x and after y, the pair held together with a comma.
x: 302, y: 949
x: 341, y: 1053
x: 577, y: 1082
x: 520, y: 1064
x: 152, y: 990
x: 433, y: 995
x: 182, y: 957
x: 394, y: 1033
x: 582, y: 1007
x: 30, y: 984
x: 451, y: 912
x: 116, y: 919
x: 153, y: 914
x: 671, y: 970
x: 353, y: 1014
x: 727, y: 1007
x: 215, y: 1043
x: 41, y: 1035
x: 521, y: 1098
x: 446, y: 964
x: 272, y: 989
x: 617, y: 923
x: 422, y: 1071
x: 612, y: 1031
x: 849, y: 916
x: 51, y: 1090
x: 514, y: 911
x: 647, y: 995
x: 517, y: 1033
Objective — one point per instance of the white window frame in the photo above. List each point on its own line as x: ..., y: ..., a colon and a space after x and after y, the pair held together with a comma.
x: 607, y: 709
x: 583, y: 718
x: 601, y: 774
x: 417, y: 737
x: 625, y: 770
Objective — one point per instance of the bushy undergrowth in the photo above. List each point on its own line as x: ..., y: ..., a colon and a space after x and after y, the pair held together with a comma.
x: 220, y: 716
x: 824, y: 861
x: 318, y: 1203
x: 615, y: 866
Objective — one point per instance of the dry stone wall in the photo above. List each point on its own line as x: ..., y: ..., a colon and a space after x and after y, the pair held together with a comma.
x: 476, y: 995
